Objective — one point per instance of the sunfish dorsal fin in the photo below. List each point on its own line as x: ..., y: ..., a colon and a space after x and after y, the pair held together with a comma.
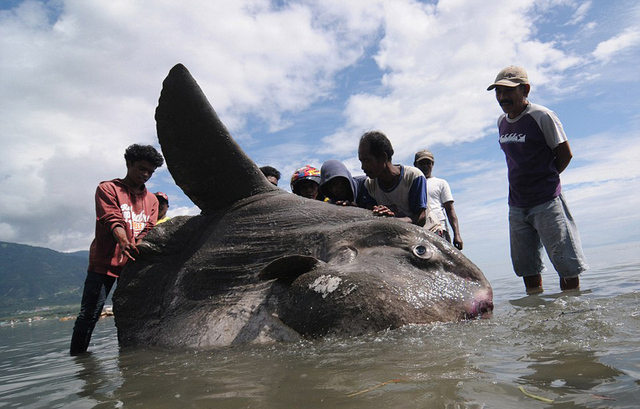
x: 204, y: 160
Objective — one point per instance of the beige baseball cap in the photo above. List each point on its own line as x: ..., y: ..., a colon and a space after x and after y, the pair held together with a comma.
x: 423, y: 154
x: 511, y: 76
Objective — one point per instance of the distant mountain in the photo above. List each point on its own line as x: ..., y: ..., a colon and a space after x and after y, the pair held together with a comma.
x: 84, y: 254
x: 36, y: 277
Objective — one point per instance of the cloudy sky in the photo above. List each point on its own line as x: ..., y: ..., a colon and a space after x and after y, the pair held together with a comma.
x: 298, y: 82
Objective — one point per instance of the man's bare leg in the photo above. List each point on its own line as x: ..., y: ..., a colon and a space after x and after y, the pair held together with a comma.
x: 533, y: 284
x: 572, y: 283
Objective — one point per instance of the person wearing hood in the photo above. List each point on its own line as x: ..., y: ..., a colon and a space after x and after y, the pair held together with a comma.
x: 337, y: 184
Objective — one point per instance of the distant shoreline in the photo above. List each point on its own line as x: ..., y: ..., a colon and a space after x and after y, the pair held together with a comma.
x: 58, y: 312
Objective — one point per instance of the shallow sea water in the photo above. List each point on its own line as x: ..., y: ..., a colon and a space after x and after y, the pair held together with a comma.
x: 574, y: 350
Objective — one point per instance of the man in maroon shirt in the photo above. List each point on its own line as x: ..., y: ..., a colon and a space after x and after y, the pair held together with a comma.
x: 125, y: 212
x: 537, y: 151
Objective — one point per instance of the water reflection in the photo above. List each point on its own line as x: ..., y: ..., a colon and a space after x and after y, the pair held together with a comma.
x: 94, y: 376
x: 395, y: 369
x: 568, y: 370
x: 581, y: 351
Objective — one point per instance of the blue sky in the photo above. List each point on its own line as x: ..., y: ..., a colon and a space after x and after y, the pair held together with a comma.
x: 298, y: 82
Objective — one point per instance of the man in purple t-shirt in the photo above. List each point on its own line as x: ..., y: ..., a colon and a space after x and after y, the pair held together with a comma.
x: 537, y: 151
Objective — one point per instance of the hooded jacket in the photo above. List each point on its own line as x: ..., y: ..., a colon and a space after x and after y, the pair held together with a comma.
x: 334, y: 168
x: 118, y: 205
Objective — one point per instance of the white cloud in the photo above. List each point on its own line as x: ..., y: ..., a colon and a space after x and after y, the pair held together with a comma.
x: 580, y: 13
x: 603, y: 188
x: 438, y: 61
x: 81, y: 78
x: 80, y: 83
x: 600, y: 186
x: 609, y: 48
x: 183, y: 211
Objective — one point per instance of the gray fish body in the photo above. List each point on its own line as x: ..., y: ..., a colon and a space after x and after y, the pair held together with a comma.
x: 262, y: 265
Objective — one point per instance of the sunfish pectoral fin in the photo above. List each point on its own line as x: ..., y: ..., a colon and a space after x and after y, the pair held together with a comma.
x: 289, y: 267
x: 204, y: 160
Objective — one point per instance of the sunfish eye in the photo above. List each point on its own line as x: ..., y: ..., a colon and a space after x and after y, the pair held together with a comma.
x: 422, y: 252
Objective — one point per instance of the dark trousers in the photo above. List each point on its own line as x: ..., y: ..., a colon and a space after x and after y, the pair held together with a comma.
x: 96, y: 290
x: 445, y: 235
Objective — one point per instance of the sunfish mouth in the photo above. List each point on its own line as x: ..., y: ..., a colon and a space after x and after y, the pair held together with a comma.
x: 480, y: 306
